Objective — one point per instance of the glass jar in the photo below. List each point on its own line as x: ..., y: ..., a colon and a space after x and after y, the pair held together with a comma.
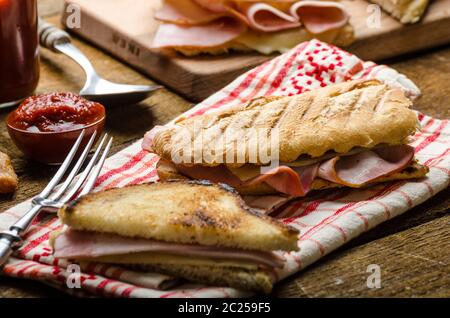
x: 19, y: 50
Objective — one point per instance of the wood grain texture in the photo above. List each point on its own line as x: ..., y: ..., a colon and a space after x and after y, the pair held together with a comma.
x: 126, y: 29
x: 412, y: 249
x: 409, y: 267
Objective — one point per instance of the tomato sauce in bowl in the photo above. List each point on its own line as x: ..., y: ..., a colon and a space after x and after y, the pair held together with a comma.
x: 55, y: 112
x: 45, y: 127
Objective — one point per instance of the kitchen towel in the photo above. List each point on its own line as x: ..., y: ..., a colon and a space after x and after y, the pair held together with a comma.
x: 326, y: 221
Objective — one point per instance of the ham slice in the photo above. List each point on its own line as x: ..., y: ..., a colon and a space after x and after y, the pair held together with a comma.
x: 266, y: 204
x: 355, y: 170
x: 217, y: 6
x: 292, y: 181
x: 264, y: 17
x: 83, y: 244
x: 320, y: 16
x: 213, y: 34
x: 185, y: 12
x: 365, y: 167
x: 147, y: 141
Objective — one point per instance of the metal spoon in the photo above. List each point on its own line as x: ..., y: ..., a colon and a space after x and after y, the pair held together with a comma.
x: 95, y: 88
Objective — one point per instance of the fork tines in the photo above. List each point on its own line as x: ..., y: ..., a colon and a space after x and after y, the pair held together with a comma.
x: 75, y: 186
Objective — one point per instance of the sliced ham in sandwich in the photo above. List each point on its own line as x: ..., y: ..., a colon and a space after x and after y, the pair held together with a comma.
x: 352, y: 134
x: 195, y: 230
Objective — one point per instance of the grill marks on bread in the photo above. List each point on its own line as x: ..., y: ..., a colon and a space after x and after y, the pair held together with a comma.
x: 337, y: 118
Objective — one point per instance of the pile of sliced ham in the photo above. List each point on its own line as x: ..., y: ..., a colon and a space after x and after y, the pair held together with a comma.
x: 213, y: 23
x: 352, y: 170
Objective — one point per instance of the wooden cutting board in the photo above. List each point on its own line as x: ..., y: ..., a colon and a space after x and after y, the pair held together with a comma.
x: 125, y: 28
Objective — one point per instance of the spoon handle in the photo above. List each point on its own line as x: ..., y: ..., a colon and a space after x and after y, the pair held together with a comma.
x: 59, y: 41
x: 50, y: 35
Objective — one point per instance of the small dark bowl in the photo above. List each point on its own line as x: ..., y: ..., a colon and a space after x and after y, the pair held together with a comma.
x: 52, y: 147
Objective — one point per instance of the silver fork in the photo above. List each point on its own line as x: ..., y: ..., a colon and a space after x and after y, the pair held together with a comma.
x: 52, y: 197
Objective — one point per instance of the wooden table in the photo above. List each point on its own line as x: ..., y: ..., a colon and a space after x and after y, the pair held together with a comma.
x: 413, y: 250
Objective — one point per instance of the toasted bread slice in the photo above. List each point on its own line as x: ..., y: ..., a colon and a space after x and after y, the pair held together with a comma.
x: 340, y: 117
x: 240, y: 278
x: 167, y: 171
x: 183, y: 212
x: 406, y: 11
x: 8, y: 178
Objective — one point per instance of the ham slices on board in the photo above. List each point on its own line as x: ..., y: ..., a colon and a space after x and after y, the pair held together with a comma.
x: 224, y: 30
x: 203, y: 23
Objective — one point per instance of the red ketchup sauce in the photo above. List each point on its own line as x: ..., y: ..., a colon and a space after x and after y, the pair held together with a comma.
x: 55, y: 112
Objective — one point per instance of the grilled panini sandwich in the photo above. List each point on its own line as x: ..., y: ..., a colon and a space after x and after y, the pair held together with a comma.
x: 406, y: 11
x: 351, y: 134
x: 196, y: 230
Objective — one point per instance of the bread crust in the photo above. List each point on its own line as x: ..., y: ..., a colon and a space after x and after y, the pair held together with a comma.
x: 184, y: 212
x: 362, y: 113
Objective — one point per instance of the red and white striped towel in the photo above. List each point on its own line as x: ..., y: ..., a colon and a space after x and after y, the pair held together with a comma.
x: 326, y: 221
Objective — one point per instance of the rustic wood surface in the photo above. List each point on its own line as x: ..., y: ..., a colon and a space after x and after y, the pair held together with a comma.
x: 126, y: 28
x: 412, y: 250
